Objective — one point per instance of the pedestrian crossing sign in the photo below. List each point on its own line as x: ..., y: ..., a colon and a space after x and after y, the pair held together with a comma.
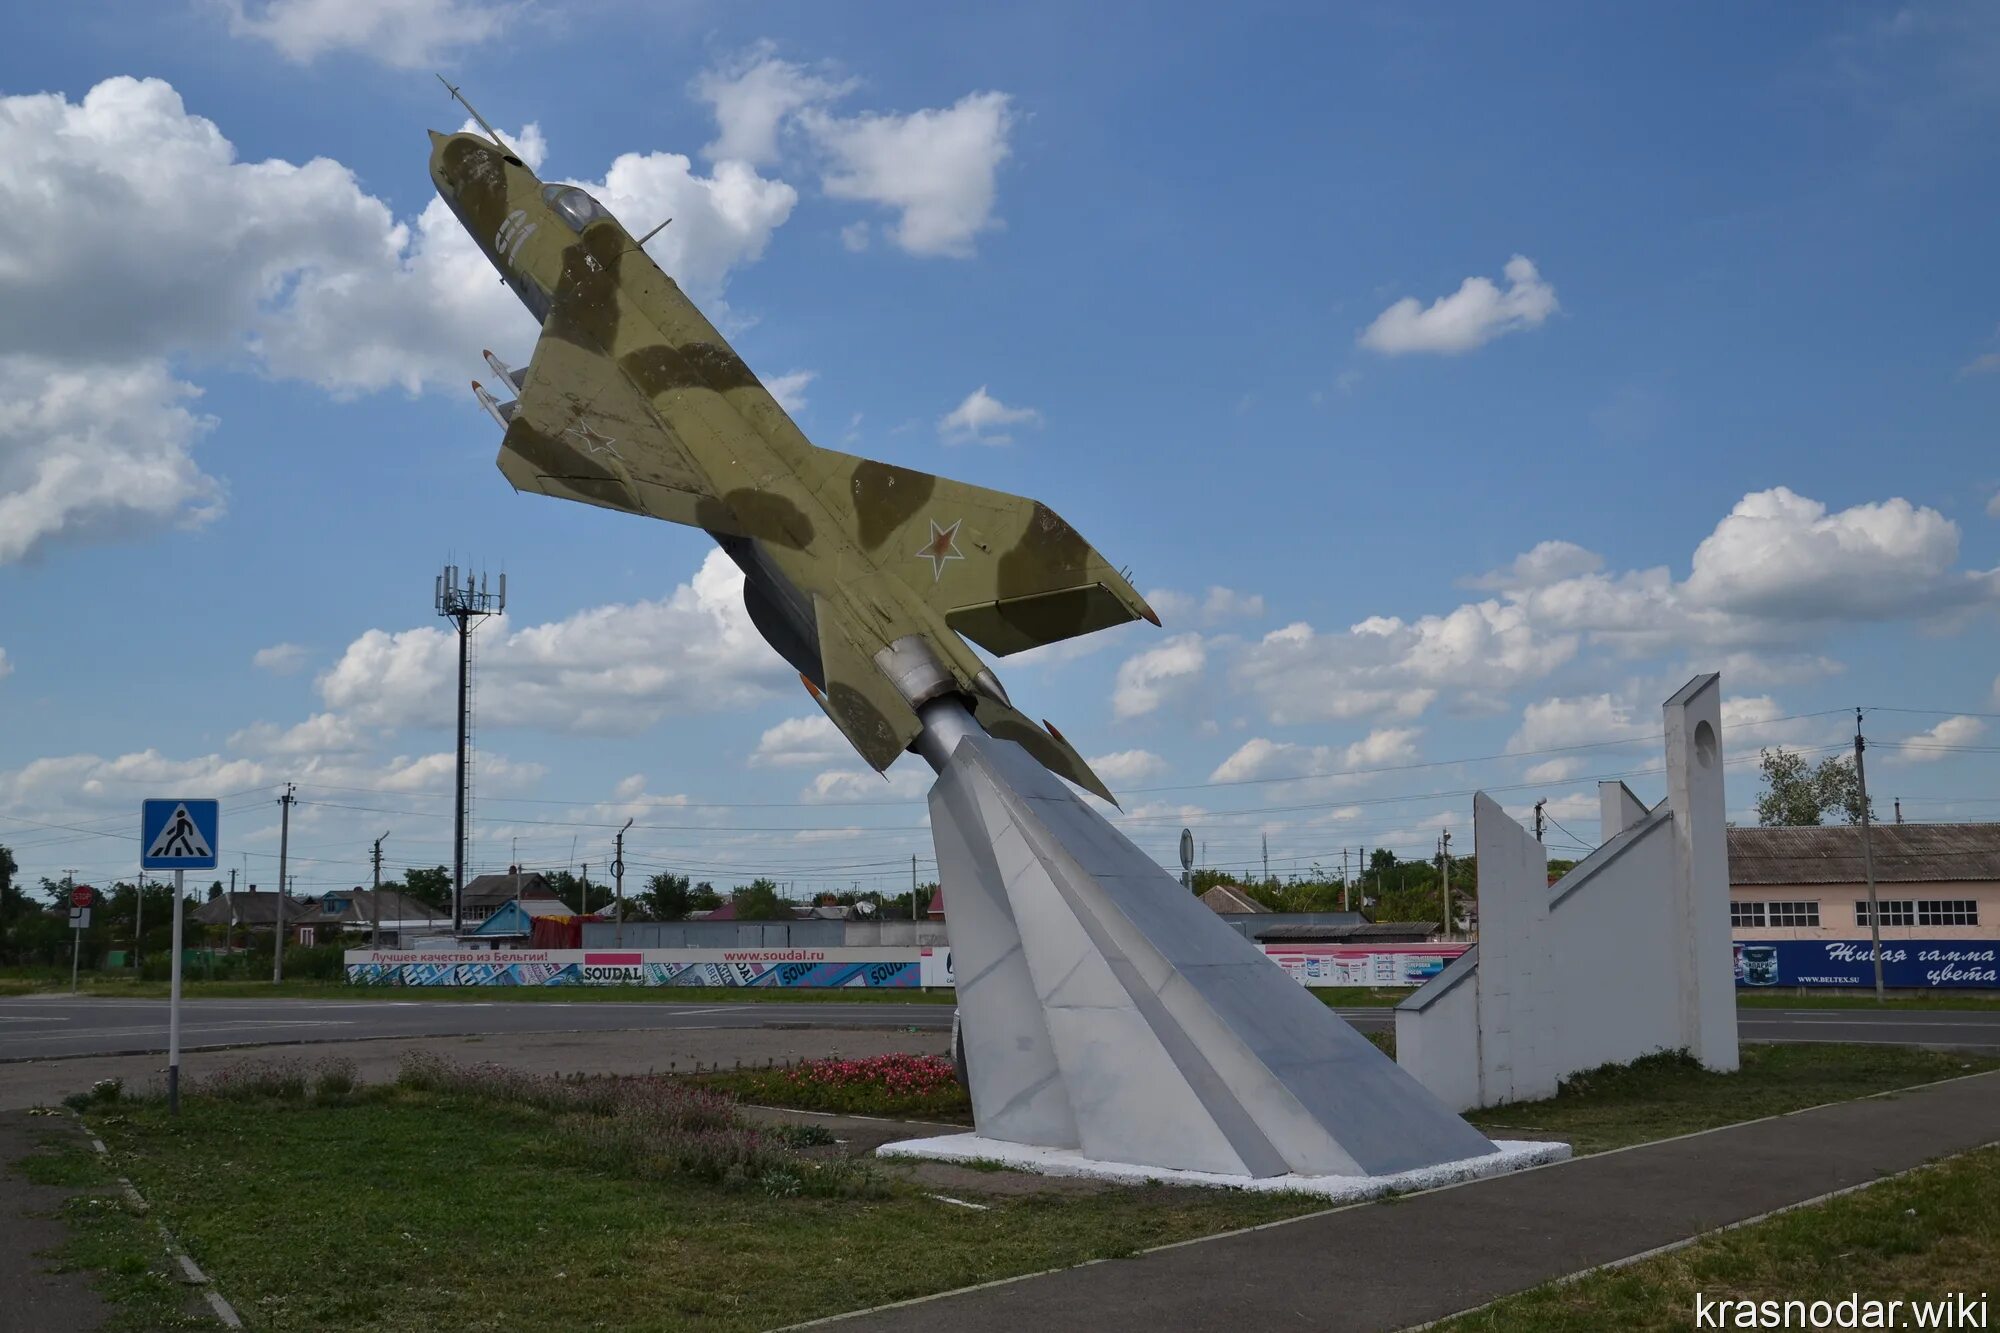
x: 178, y: 834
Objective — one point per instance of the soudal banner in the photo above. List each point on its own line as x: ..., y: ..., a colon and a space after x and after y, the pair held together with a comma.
x: 634, y: 967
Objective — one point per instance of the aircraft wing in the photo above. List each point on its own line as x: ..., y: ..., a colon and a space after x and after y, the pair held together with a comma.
x: 1006, y: 571
x: 580, y: 431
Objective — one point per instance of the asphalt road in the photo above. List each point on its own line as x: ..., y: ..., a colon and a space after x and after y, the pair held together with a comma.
x: 55, y: 1027
x: 52, y: 1027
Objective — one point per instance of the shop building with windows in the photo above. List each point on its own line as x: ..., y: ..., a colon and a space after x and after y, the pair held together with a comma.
x: 1932, y: 881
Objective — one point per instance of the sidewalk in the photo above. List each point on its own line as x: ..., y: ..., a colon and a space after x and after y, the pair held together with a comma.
x: 30, y: 1222
x: 1401, y: 1262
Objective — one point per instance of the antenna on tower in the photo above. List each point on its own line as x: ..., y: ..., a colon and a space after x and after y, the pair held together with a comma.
x: 465, y: 606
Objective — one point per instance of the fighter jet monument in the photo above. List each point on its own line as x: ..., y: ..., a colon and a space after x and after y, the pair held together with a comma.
x: 1108, y: 1015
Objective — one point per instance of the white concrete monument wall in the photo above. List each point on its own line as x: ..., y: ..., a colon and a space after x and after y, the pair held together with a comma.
x: 1108, y: 1013
x: 1628, y: 954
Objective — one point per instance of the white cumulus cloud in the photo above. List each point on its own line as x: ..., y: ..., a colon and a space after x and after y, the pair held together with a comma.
x: 280, y: 659
x: 1478, y: 312
x: 605, y: 670
x: 801, y: 740
x: 1941, y: 740
x: 408, y: 34
x: 984, y: 419
x: 1129, y: 766
x: 937, y: 169
x: 1148, y: 679
x: 753, y: 97
x: 790, y: 389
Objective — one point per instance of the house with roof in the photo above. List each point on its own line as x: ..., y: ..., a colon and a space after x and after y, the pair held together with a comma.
x: 252, y: 910
x: 354, y: 912
x: 486, y: 894
x: 1932, y: 882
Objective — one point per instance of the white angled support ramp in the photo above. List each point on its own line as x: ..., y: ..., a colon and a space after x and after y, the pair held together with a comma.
x: 1106, y: 1010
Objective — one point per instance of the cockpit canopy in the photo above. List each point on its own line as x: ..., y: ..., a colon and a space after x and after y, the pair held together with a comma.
x: 576, y: 208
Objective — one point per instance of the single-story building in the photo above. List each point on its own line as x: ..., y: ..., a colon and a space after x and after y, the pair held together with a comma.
x: 486, y: 894
x: 1230, y: 899
x: 354, y: 910
x: 253, y: 910
x: 1933, y: 882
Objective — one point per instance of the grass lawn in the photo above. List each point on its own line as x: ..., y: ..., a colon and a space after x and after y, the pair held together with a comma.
x: 1664, y: 1095
x: 1917, y: 1238
x: 112, y: 1238
x: 1362, y: 997
x: 401, y: 1209
x: 1654, y: 1098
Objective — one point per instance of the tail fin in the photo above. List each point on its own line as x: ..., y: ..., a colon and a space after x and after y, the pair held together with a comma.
x: 1047, y: 745
x: 1005, y: 571
x: 862, y: 702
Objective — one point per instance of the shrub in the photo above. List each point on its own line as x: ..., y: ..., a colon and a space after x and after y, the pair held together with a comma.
x: 282, y: 1078
x: 651, y: 1127
x: 918, y: 1085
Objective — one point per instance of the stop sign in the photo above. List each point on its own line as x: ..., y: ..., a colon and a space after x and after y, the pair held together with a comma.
x: 81, y: 895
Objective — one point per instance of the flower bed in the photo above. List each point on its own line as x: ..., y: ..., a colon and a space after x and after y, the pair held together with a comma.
x: 923, y: 1086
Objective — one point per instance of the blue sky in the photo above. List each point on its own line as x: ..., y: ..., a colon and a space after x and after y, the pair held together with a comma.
x: 1501, y: 372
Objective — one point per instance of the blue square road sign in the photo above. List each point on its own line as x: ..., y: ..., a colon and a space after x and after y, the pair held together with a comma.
x: 178, y: 833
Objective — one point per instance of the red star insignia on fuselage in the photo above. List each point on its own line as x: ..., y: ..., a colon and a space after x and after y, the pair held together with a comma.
x: 593, y: 440
x: 942, y: 547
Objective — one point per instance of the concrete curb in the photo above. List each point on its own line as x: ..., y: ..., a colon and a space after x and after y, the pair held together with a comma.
x: 191, y: 1272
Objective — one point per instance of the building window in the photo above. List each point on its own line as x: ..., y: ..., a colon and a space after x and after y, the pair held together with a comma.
x: 1746, y: 914
x: 1894, y: 913
x: 1948, y: 912
x: 1795, y: 914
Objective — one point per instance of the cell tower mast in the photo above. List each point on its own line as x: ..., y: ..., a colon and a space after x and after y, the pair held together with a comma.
x: 464, y: 605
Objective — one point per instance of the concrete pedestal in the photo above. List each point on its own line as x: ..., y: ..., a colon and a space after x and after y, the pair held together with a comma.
x: 1107, y: 1013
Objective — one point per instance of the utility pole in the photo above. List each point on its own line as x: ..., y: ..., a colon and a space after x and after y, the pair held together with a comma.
x: 375, y: 932
x: 284, y: 850
x: 1444, y: 869
x: 1538, y: 818
x: 1868, y: 858
x: 1899, y: 809
x: 229, y: 907
x: 913, y: 897
x: 1267, y: 856
x: 1344, y: 904
x: 618, y: 874
x: 464, y: 607
x: 139, y: 916
x: 583, y: 892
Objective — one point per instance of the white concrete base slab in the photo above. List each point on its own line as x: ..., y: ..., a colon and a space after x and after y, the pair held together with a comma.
x: 1513, y: 1155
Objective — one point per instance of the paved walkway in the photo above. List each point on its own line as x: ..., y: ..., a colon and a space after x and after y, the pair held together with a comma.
x: 1403, y: 1262
x: 31, y: 1297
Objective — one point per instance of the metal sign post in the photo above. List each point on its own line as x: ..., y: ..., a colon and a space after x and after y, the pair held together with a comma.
x: 179, y: 835
x: 174, y: 1002
x: 80, y: 898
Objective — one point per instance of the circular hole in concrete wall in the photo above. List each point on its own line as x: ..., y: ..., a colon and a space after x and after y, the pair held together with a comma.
x: 1704, y: 744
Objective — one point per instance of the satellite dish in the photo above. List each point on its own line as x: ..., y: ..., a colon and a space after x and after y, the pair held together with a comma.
x: 864, y: 908
x: 1187, y: 849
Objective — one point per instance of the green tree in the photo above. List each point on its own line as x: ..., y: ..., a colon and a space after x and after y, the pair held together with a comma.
x: 668, y: 897
x: 759, y: 901
x: 429, y: 887
x: 704, y: 898
x: 1797, y: 794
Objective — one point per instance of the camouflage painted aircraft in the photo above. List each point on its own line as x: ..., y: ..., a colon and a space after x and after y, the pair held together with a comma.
x: 862, y: 575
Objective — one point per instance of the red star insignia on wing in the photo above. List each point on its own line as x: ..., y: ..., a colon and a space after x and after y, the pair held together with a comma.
x: 942, y: 547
